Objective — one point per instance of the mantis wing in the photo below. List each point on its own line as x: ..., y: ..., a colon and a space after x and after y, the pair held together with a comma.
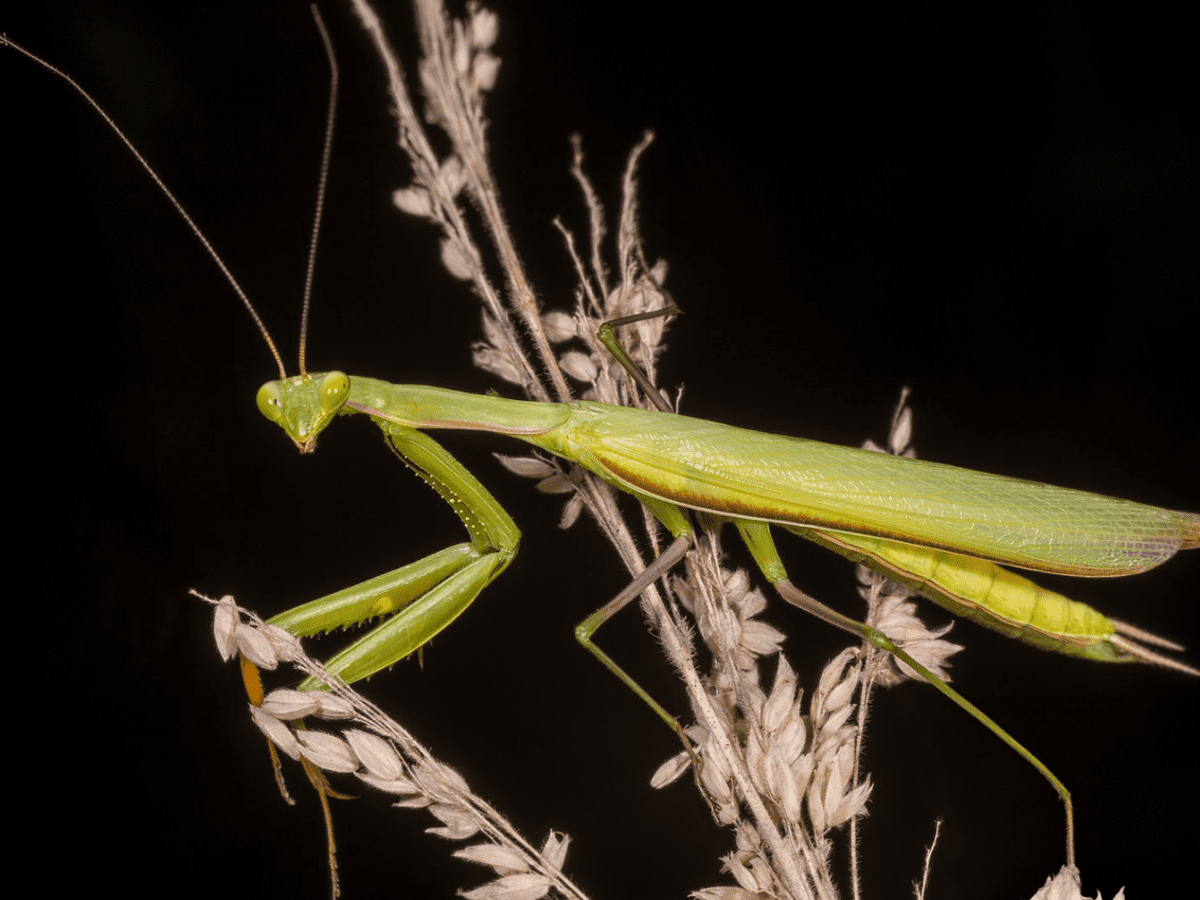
x: 791, y: 481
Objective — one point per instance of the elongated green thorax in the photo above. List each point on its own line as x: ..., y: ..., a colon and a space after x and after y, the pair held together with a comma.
x: 421, y: 407
x: 305, y: 404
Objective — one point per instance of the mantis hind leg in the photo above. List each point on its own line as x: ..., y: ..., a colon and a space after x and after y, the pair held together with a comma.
x: 757, y: 537
x: 585, y: 629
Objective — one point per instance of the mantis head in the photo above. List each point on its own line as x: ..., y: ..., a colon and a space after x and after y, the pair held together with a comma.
x: 302, y: 406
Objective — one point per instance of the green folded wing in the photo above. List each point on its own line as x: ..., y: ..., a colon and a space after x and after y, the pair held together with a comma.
x: 731, y: 471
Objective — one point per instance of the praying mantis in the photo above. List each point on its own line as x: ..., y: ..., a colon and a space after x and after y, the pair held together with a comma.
x: 1115, y: 602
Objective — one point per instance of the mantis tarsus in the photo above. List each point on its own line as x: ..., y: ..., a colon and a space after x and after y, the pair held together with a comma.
x: 1132, y: 587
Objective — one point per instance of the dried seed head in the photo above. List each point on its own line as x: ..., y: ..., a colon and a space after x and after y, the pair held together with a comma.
x: 900, y: 440
x: 579, y: 366
x: 670, y: 771
x: 225, y: 625
x: 414, y: 799
x: 290, y: 705
x: 529, y: 886
x: 555, y: 847
x: 559, y: 326
x: 1065, y: 886
x: 741, y: 874
x: 458, y: 825
x: 331, y: 707
x: 451, y: 176
x: 456, y: 259
x: 256, y: 647
x: 485, y: 70
x: 276, y: 732
x: 726, y: 893
x: 571, y: 512
x: 496, y: 362
x: 558, y: 483
x: 414, y: 200
x: 779, y: 704
x: 833, y: 692
x: 502, y: 860
x: 285, y: 644
x: 485, y: 28
x: 526, y: 466
x: 378, y: 757
x: 896, y: 616
x: 327, y: 751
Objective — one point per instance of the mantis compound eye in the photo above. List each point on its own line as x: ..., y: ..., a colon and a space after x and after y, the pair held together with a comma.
x: 268, y: 401
x: 335, y: 388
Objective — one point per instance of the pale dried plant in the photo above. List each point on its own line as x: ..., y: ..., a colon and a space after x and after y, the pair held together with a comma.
x: 387, y: 758
x: 780, y: 770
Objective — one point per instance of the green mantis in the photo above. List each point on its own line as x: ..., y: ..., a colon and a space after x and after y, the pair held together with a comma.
x: 942, y: 529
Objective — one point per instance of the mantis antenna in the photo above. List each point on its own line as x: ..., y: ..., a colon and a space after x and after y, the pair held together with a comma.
x: 321, y: 186
x: 253, y: 686
x: 322, y: 182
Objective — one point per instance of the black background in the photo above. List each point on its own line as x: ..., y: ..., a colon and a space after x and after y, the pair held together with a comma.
x: 998, y: 209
